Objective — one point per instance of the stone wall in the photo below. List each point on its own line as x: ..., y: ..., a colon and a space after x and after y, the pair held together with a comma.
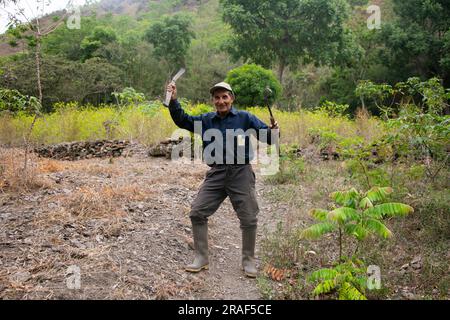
x: 83, y: 150
x: 164, y: 148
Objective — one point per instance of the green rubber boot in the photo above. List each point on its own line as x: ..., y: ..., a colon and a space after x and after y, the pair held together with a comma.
x: 201, y: 262
x: 248, y: 252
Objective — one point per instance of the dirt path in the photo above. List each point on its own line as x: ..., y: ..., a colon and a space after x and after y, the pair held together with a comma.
x: 124, y: 225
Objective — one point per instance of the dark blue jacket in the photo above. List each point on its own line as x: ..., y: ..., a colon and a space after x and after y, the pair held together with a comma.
x: 242, y: 153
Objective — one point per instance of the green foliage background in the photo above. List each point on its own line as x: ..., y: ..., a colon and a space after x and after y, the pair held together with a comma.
x: 128, y: 52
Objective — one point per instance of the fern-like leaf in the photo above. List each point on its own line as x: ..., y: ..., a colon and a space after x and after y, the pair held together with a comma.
x: 343, y: 215
x: 346, y: 198
x: 356, y: 230
x: 319, y: 214
x: 317, y: 230
x: 377, y: 194
x: 389, y: 210
x: 323, y: 274
x: 365, y: 203
x: 349, y: 292
x: 324, y: 287
x: 378, y: 228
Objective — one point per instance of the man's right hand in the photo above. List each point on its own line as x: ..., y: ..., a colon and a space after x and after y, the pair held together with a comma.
x: 172, y: 87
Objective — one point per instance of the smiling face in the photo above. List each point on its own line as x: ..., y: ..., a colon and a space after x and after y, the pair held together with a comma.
x: 223, y: 100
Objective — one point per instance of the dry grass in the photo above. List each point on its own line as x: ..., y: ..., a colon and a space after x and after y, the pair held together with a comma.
x: 88, y: 202
x: 95, y: 169
x: 51, y: 166
x: 99, y: 202
x: 30, y: 281
x: 368, y: 127
x: 14, y: 178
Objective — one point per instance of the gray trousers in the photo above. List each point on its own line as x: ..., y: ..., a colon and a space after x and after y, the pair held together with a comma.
x: 222, y: 181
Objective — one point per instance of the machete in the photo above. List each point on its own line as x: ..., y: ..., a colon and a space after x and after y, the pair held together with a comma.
x: 174, y: 79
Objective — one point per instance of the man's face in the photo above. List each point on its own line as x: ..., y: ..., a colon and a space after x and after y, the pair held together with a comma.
x: 223, y: 100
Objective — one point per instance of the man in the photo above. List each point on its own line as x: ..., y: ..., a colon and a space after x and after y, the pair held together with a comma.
x: 231, y: 173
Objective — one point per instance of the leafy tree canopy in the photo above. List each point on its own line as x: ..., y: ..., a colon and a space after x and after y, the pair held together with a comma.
x: 286, y: 32
x: 171, y: 38
x: 417, y: 42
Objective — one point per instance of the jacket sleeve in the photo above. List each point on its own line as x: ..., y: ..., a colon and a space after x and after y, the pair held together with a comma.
x: 181, y: 118
x: 260, y: 126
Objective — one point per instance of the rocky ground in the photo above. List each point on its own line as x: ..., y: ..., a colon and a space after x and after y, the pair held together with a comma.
x: 123, y: 223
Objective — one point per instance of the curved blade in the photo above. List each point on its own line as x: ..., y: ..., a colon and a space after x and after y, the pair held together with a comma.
x: 174, y: 79
x: 179, y: 74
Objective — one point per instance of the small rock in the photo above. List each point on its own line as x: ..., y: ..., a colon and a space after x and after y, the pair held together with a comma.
x: 416, y: 263
x: 404, y: 267
x: 408, y: 295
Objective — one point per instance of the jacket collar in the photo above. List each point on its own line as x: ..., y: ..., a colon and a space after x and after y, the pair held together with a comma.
x: 233, y: 112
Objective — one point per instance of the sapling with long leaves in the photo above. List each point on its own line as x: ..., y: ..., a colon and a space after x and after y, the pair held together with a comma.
x: 359, y: 215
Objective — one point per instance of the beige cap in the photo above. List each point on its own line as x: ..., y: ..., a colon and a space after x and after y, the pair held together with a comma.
x: 221, y: 85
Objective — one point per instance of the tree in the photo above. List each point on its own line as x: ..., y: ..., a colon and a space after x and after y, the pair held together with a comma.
x: 249, y: 83
x: 99, y: 37
x: 417, y: 42
x: 35, y: 32
x: 206, y: 66
x: 286, y: 32
x: 171, y: 39
x: 67, y: 42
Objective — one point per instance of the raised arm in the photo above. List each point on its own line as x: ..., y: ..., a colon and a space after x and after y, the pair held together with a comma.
x: 258, y: 125
x: 179, y: 116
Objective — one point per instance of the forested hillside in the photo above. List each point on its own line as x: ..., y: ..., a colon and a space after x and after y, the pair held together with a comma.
x: 112, y: 50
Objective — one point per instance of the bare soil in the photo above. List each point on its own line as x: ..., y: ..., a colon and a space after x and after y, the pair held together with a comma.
x: 124, y: 223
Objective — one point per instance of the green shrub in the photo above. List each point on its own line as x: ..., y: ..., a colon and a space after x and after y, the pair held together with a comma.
x: 129, y: 96
x: 249, y: 83
x: 291, y: 166
x: 324, y: 137
x: 15, y: 102
x: 334, y: 109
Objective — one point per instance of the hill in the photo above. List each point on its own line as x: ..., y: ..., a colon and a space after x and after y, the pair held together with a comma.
x: 136, y: 9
